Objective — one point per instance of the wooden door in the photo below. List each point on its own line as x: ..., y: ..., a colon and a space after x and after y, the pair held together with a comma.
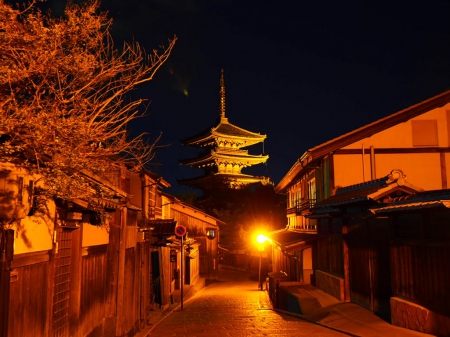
x: 369, y: 264
x: 380, y: 268
x: 359, y: 265
x: 144, y: 280
x: 156, y: 279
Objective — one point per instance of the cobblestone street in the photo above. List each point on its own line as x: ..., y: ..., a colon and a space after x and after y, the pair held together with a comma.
x: 234, y: 307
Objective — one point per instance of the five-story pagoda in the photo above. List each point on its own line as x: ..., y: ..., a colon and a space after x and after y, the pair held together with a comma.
x: 223, y: 157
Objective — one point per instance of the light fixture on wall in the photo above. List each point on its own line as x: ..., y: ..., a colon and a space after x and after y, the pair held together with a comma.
x: 211, y: 233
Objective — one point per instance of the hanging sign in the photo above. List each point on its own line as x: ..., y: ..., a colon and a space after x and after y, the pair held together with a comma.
x: 180, y: 230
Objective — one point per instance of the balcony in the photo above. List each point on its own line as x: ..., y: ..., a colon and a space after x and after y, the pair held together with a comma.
x: 304, y: 206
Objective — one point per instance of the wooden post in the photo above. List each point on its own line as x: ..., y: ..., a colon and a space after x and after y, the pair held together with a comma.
x: 112, y: 274
x: 346, y: 263
x: 75, y: 284
x: 7, y: 253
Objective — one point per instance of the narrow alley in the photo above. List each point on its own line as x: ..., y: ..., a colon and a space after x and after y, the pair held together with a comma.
x: 234, y: 306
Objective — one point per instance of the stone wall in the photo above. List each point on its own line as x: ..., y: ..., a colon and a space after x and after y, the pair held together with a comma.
x: 330, y: 284
x: 416, y: 317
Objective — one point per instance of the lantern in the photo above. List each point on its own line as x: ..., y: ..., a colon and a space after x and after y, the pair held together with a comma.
x: 16, y: 192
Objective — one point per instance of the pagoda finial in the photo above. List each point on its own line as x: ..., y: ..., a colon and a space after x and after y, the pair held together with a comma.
x: 222, y: 95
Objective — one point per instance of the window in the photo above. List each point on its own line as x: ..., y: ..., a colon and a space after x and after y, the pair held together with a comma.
x: 424, y: 132
x: 295, y: 195
x: 312, y: 189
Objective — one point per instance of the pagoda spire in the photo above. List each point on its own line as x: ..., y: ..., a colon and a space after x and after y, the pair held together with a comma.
x: 222, y: 95
x: 222, y: 156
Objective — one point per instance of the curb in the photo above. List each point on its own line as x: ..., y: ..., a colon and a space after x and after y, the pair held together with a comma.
x: 302, y: 317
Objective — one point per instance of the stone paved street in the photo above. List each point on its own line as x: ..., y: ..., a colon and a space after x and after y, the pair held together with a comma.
x: 234, y: 307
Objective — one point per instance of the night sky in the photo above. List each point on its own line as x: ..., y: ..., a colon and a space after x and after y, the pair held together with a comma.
x: 301, y: 72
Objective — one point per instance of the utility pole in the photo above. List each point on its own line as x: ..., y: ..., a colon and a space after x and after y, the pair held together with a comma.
x: 182, y: 275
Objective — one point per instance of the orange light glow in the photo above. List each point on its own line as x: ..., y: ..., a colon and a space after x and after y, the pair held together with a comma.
x: 261, y: 239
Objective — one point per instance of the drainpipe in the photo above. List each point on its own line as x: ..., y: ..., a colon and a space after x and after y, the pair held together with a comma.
x: 372, y: 163
x: 363, y: 166
x: 143, y: 195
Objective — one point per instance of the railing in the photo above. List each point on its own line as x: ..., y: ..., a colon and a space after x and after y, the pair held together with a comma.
x: 308, y: 204
x: 305, y: 228
x: 303, y: 205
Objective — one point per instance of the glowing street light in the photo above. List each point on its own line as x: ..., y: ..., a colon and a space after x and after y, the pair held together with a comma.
x: 261, y: 239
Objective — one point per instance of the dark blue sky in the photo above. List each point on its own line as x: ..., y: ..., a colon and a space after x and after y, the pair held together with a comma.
x: 301, y: 72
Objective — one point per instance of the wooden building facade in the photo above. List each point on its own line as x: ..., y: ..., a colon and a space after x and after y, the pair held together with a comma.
x: 391, y: 244
x: 419, y: 248
x: 71, y: 275
x: 204, y: 231
x: 342, y: 248
x: 65, y: 273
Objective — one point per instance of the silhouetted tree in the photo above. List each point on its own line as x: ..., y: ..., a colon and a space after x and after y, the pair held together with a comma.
x: 245, y: 211
x: 64, y: 97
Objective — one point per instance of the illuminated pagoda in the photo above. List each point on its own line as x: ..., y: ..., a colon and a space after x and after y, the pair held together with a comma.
x: 222, y: 157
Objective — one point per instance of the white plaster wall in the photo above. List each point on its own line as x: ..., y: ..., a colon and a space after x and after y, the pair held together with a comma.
x: 35, y: 233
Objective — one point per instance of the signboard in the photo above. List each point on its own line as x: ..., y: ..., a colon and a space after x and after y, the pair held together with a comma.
x: 180, y: 230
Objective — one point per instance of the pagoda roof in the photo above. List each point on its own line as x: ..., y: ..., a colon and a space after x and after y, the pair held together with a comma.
x: 223, y: 180
x: 225, y: 141
x: 224, y: 129
x: 238, y: 156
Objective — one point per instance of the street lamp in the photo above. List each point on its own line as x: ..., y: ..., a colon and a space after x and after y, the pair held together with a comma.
x: 261, y: 239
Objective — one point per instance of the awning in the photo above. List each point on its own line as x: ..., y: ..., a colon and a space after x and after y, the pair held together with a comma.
x: 410, y: 206
x: 99, y: 202
x: 160, y: 227
x: 323, y: 213
x: 287, y: 239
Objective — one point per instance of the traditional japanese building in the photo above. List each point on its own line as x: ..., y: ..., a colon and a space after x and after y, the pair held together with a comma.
x: 222, y: 157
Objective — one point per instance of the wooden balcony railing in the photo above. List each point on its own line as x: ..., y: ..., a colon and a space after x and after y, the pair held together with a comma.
x: 303, y: 205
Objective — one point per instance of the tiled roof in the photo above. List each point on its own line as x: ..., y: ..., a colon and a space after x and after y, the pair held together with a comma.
x: 231, y: 156
x: 353, y: 193
x: 419, y: 200
x: 371, y: 190
x: 429, y: 196
x: 233, y: 130
x: 411, y: 206
x: 223, y: 178
x: 224, y: 128
x: 348, y: 197
x: 373, y: 184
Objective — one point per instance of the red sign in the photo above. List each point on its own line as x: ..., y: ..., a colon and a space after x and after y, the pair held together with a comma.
x: 180, y: 230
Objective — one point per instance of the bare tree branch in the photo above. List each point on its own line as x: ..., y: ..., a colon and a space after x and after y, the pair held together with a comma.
x: 64, y: 95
